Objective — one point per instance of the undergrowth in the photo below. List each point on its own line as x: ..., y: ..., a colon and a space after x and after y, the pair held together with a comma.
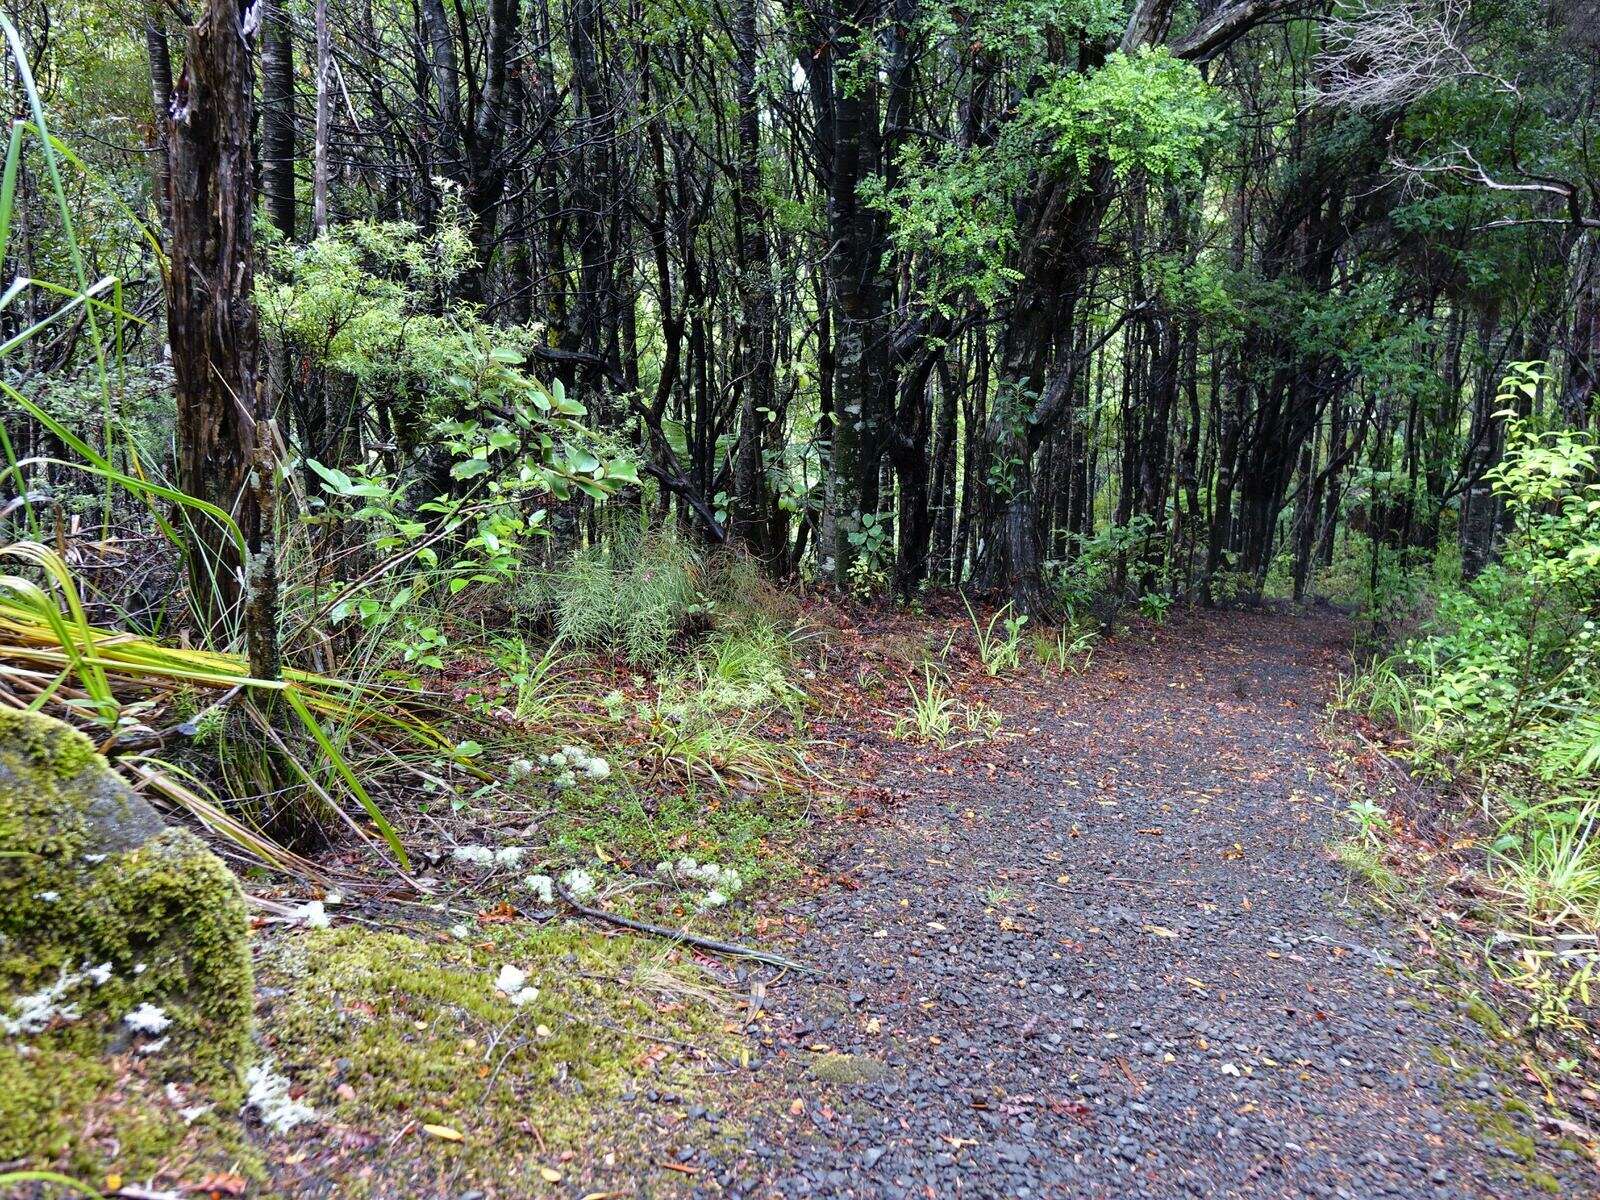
x: 1498, y: 700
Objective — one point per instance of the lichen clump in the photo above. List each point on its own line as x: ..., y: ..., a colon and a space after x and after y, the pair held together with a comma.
x: 106, y: 912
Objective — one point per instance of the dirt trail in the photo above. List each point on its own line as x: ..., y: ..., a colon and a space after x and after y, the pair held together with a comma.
x: 1114, y: 960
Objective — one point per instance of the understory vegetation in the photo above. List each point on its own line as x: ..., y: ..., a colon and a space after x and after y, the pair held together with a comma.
x: 1497, y: 694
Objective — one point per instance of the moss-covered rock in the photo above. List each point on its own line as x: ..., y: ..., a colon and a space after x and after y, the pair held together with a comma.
x: 104, y: 909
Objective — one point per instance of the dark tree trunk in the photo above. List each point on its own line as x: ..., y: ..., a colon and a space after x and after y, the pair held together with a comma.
x: 752, y: 517
x: 160, y: 60
x: 847, y: 97
x: 277, y: 117
x: 1583, y: 352
x: 211, y: 327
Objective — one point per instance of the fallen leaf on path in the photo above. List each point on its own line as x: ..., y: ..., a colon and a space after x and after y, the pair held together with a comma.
x: 442, y: 1132
x: 220, y: 1185
x: 1160, y: 931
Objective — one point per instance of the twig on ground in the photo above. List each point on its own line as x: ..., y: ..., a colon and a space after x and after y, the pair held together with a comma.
x: 685, y: 937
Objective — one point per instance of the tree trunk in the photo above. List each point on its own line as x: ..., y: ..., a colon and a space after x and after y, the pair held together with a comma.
x: 211, y: 326
x: 277, y: 116
x: 752, y: 520
x: 319, y: 155
x: 160, y: 59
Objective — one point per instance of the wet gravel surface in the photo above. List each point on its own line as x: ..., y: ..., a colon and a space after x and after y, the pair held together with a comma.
x: 1113, y: 958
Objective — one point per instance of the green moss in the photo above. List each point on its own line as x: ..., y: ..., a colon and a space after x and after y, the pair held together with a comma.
x: 89, y: 1114
x: 847, y: 1068
x: 89, y: 875
x: 48, y: 747
x: 1476, y: 1008
x: 384, y: 1029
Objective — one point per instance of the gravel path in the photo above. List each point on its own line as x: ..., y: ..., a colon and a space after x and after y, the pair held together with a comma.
x: 1112, y: 958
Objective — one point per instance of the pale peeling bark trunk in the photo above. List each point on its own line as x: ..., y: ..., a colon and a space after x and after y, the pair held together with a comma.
x: 319, y: 154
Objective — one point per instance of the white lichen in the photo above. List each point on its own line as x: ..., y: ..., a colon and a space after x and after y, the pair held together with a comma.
x: 269, y: 1096
x: 510, y: 979
x: 189, y: 1112
x: 147, y: 1018
x: 512, y: 982
x: 580, y: 885
x: 313, y: 915
x: 567, y: 764
x: 33, y: 1013
x: 542, y: 886
x: 725, y: 881
x: 473, y: 856
x: 510, y: 856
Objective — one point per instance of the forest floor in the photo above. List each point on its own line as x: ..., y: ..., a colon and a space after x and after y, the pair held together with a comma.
x: 1114, y: 957
x: 1100, y: 945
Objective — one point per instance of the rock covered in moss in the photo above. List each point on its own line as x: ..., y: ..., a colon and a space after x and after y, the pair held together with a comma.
x: 115, y: 930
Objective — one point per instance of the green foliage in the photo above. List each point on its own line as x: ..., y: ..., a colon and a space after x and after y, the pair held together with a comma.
x: 363, y: 301
x: 632, y: 596
x: 952, y: 208
x: 1380, y: 689
x: 1069, y: 651
x: 685, y: 735
x: 1098, y: 561
x: 1505, y: 680
x: 1548, y: 480
x: 1020, y: 30
x: 873, y: 540
x: 933, y: 709
x: 1155, y: 607
x: 749, y: 666
x: 1549, y: 862
x: 1370, y: 820
x: 998, y: 651
x: 1147, y: 111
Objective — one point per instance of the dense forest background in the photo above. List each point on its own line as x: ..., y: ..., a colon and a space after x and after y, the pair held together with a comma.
x: 1040, y: 298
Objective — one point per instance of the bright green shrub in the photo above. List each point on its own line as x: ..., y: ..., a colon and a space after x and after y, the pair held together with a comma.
x: 632, y: 595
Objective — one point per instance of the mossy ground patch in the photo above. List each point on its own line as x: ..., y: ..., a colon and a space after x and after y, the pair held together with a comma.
x: 402, y: 1043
